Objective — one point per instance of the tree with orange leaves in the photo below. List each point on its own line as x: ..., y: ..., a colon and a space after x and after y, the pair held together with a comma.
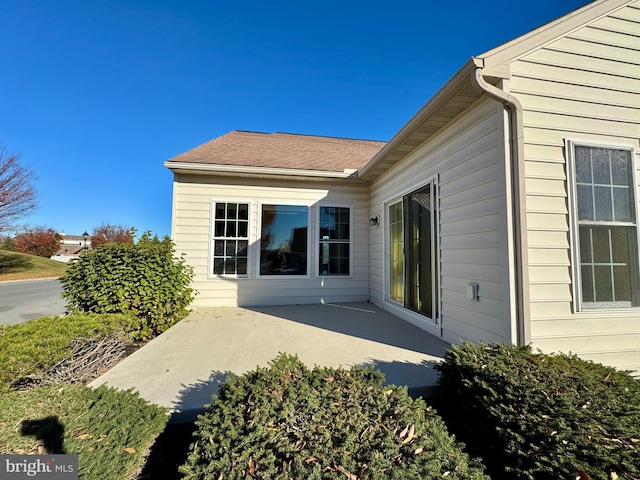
x: 107, y: 233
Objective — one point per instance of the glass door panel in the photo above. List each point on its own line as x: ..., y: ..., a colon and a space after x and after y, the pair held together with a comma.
x: 396, y: 255
x: 419, y: 275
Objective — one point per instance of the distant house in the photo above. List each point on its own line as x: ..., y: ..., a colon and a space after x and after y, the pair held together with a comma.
x: 505, y: 210
x: 71, y: 246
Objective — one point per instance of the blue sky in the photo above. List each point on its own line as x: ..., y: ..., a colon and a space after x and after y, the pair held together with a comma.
x: 97, y: 95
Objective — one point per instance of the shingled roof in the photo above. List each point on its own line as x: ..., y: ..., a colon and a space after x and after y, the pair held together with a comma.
x: 282, y: 150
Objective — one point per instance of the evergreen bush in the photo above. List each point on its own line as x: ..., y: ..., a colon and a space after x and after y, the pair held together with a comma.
x: 145, y: 279
x: 7, y: 244
x: 289, y: 422
x: 536, y: 416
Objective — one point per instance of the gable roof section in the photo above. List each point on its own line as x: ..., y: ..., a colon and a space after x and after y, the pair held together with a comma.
x: 499, y: 57
x: 246, y: 152
x: 459, y: 93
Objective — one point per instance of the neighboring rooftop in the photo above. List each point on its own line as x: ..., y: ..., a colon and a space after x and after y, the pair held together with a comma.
x: 282, y: 150
x: 70, y: 249
x: 73, y: 239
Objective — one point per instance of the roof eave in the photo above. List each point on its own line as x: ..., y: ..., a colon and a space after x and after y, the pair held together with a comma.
x: 402, y: 140
x: 259, y: 172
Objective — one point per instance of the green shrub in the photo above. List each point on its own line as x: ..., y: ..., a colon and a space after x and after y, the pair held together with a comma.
x: 7, y: 244
x: 145, y: 279
x: 36, y: 345
x: 289, y: 422
x: 110, y: 430
x: 535, y: 416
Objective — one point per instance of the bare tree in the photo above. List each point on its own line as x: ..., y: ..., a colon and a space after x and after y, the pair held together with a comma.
x: 17, y: 195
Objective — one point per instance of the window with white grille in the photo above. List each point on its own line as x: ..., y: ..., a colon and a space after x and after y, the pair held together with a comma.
x: 230, y: 238
x: 604, y: 226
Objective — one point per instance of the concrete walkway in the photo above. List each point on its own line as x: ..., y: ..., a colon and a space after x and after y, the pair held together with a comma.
x: 182, y: 368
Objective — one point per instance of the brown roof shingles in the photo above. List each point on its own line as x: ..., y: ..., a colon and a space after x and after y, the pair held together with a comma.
x: 283, y: 150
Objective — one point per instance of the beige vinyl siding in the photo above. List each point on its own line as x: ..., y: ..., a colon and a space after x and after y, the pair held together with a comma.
x: 468, y: 159
x: 193, y: 197
x: 377, y: 257
x: 583, y: 87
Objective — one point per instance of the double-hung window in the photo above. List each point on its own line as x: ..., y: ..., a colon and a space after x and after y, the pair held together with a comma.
x: 605, y: 227
x: 335, y: 241
x: 230, y: 238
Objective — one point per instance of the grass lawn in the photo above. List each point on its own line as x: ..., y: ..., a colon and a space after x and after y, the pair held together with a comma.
x: 27, y: 348
x: 110, y: 430
x: 19, y: 266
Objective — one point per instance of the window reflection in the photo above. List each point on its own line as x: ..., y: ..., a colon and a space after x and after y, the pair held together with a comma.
x: 283, y: 240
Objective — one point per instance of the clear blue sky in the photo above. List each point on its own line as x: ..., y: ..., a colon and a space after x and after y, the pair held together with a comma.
x: 97, y: 94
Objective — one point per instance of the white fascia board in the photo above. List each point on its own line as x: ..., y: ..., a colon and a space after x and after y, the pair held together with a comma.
x: 184, y: 167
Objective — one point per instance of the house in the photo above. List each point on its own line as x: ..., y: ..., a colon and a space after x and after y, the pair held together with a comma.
x: 71, y: 246
x: 505, y: 210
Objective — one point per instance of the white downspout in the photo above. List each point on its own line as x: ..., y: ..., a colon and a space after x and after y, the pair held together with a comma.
x: 516, y: 138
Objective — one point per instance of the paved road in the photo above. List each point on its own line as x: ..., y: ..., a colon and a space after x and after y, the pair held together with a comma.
x: 22, y: 301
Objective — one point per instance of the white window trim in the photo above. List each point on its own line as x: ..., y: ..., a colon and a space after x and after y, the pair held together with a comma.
x: 259, y: 239
x: 318, y: 239
x: 433, y: 325
x: 576, y: 284
x: 212, y: 237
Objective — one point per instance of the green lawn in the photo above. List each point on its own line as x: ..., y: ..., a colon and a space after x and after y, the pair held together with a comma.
x: 110, y: 430
x: 29, y: 347
x: 19, y: 266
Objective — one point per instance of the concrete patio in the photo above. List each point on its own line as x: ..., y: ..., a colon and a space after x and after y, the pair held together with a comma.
x: 182, y: 368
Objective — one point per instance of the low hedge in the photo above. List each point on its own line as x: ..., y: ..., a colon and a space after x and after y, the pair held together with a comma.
x: 289, y: 422
x: 110, y: 430
x: 536, y: 416
x: 38, y: 344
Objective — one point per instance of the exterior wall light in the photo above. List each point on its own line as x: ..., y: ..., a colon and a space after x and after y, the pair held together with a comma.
x: 373, y: 221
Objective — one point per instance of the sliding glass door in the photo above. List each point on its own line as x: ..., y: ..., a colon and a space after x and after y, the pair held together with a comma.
x: 413, y: 251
